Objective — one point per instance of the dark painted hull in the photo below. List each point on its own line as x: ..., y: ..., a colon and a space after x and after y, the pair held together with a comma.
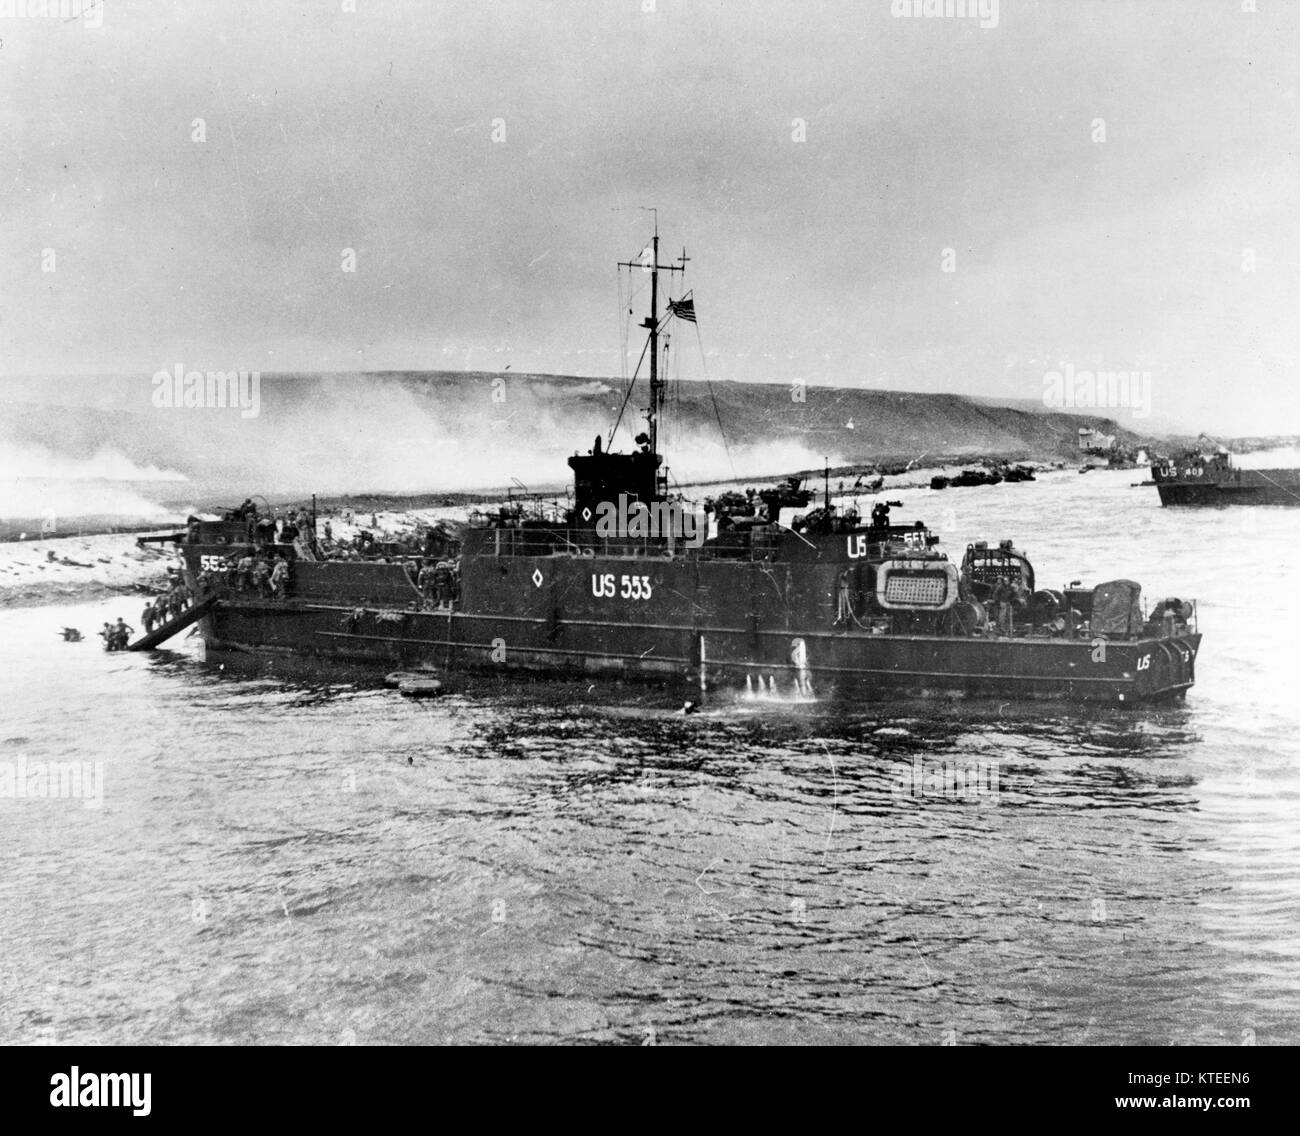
x: 1236, y: 487
x: 698, y: 625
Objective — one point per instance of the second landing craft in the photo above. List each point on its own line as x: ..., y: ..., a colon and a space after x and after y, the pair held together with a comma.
x: 1209, y: 477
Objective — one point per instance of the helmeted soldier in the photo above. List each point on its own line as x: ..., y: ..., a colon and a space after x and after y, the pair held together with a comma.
x: 442, y: 582
x: 279, y: 577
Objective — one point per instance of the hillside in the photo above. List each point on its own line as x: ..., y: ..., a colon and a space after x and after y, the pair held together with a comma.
x: 430, y: 431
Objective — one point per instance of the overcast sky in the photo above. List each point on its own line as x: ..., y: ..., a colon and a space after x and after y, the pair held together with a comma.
x: 818, y: 259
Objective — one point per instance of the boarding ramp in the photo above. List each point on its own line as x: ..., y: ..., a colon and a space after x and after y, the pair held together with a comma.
x: 191, y: 614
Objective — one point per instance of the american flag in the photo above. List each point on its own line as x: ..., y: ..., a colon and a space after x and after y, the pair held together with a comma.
x: 683, y: 309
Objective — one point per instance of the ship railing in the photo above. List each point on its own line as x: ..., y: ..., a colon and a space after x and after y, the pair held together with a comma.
x: 535, y: 542
x: 759, y: 546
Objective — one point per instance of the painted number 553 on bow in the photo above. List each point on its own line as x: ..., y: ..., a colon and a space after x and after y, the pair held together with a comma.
x: 627, y: 587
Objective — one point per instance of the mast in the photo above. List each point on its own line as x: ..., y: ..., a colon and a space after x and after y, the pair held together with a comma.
x: 651, y: 324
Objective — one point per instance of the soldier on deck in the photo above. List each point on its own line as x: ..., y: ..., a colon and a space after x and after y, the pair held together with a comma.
x: 244, y: 572
x: 248, y: 514
x: 1020, y: 598
x: 442, y: 582
x: 261, y: 577
x: 147, y: 618
x: 279, y: 577
x: 1000, y: 604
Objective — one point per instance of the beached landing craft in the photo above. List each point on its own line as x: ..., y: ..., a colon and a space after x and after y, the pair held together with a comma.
x: 1208, y: 477
x: 774, y: 595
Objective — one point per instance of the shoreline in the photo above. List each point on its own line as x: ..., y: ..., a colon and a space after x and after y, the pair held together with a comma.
x: 82, y: 568
x: 79, y: 569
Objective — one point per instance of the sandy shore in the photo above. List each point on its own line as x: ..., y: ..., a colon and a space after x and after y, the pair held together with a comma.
x: 82, y: 568
x: 37, y: 573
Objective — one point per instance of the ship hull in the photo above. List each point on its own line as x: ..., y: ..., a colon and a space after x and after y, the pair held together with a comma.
x: 714, y: 660
x: 703, y: 624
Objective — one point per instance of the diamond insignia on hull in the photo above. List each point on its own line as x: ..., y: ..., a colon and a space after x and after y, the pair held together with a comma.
x: 586, y: 514
x: 538, y: 577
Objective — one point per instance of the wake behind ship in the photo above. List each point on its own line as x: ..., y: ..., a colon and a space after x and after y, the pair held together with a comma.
x: 767, y: 595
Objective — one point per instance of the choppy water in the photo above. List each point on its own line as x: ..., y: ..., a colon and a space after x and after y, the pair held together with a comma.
x: 280, y: 862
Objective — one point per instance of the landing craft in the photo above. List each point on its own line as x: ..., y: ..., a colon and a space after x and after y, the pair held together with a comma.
x: 1206, y: 475
x: 782, y: 596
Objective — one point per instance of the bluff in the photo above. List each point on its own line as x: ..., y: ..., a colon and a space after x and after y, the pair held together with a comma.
x: 417, y: 432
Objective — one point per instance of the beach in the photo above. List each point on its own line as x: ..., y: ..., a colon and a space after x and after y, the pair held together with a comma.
x: 61, y: 570
x: 35, y: 573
